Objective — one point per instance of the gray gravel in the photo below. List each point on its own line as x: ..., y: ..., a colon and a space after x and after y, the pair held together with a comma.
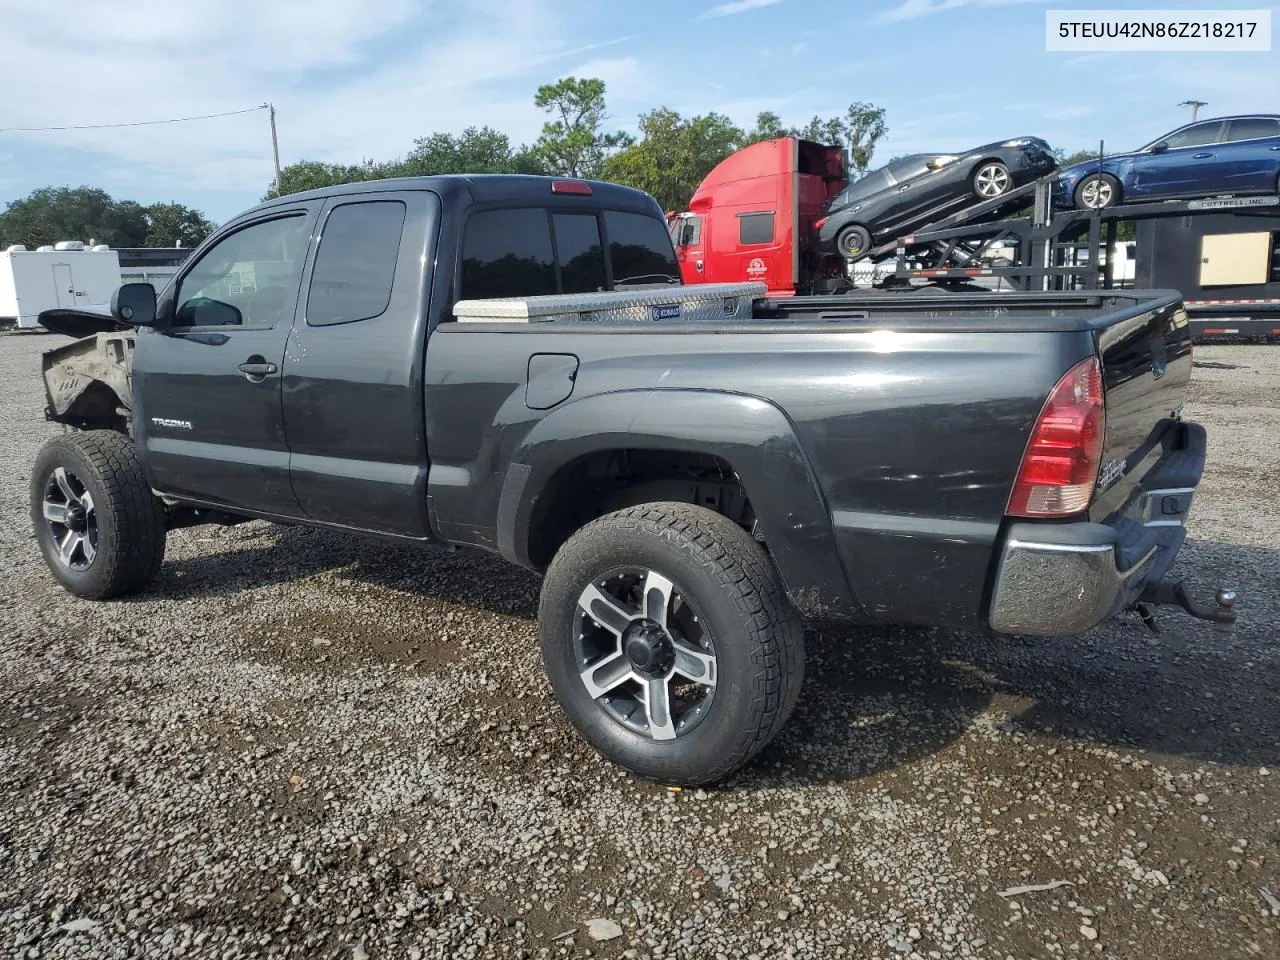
x: 300, y: 744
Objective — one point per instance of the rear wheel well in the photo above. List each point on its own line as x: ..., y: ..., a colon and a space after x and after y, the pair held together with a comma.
x: 610, y: 480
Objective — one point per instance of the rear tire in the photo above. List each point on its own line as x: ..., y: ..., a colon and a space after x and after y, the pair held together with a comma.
x: 1097, y: 191
x: 722, y: 610
x: 853, y: 241
x: 101, y: 530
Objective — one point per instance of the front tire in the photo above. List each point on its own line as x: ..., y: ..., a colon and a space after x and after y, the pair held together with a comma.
x: 1098, y: 191
x: 100, y: 528
x: 992, y: 179
x: 669, y: 642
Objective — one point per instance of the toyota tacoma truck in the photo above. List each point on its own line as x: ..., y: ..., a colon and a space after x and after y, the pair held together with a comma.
x: 510, y: 364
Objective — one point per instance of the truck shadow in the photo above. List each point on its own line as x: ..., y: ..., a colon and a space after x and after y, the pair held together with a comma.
x: 877, y: 698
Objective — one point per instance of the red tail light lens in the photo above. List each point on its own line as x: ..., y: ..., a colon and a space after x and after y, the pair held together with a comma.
x: 1060, y: 467
x: 571, y: 186
x: 818, y: 224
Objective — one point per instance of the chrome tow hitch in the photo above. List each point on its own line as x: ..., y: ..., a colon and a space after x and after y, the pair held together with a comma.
x: 1222, y: 613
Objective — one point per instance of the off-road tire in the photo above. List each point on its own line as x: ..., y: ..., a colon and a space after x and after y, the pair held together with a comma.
x: 130, y: 520
x: 758, y: 636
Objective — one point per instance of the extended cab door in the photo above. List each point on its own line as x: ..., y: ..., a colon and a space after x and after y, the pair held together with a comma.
x: 353, y: 366
x: 207, y: 379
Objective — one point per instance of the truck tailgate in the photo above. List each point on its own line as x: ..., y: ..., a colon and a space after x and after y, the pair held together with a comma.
x: 1146, y: 370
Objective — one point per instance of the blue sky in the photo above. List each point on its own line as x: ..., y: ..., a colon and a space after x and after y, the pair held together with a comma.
x: 363, y: 78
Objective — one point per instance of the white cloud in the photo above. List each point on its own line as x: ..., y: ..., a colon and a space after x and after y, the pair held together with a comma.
x: 737, y: 6
x: 350, y: 79
x: 915, y: 9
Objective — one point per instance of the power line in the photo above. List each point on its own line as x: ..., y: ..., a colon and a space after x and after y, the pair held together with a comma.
x: 139, y: 123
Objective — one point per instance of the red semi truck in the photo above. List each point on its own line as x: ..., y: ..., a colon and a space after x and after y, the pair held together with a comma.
x: 753, y: 216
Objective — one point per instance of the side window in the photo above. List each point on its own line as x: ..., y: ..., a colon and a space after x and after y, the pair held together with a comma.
x: 507, y: 253
x: 247, y: 278
x: 691, y: 232
x: 356, y: 262
x: 755, y: 228
x: 1195, y: 136
x: 1253, y: 128
x: 581, y: 255
x: 640, y: 249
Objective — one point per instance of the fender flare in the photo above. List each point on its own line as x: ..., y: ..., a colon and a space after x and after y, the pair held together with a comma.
x: 751, y: 434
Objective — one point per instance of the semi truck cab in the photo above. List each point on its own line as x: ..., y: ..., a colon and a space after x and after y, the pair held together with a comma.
x: 752, y: 217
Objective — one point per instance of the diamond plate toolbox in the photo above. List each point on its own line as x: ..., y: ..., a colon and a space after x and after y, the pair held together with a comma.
x: 703, y: 302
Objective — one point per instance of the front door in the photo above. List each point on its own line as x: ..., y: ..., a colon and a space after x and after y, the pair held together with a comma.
x: 207, y: 380
x: 1189, y: 167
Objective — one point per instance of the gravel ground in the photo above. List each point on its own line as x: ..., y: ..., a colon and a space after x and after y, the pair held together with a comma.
x: 301, y: 744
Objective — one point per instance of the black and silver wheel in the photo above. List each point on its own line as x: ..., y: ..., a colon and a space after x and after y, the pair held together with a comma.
x: 991, y: 180
x: 101, y: 530
x: 853, y: 241
x: 1098, y: 191
x: 669, y: 642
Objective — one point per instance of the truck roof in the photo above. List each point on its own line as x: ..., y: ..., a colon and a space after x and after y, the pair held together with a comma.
x: 482, y: 188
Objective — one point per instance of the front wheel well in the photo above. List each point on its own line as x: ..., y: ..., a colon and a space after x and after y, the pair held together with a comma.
x: 606, y: 481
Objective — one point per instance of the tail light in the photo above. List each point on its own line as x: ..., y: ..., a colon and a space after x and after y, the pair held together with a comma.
x: 818, y: 224
x: 1060, y: 466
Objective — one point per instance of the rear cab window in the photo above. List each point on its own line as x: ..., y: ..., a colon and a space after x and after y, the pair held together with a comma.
x: 534, y: 251
x: 640, y: 249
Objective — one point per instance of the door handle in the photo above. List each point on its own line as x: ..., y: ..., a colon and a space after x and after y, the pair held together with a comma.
x: 1201, y: 156
x: 257, y: 369
x: 1275, y: 148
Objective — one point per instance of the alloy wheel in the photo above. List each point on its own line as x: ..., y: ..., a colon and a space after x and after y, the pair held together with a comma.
x: 992, y: 180
x: 1097, y: 193
x: 644, y: 654
x: 69, y: 512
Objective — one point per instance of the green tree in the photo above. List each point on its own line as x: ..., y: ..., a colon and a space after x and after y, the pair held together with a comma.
x: 768, y: 127
x: 173, y: 225
x: 673, y: 154
x: 312, y: 174
x: 859, y: 129
x: 50, y: 214
x: 475, y: 150
x: 573, y: 143
x: 1067, y: 159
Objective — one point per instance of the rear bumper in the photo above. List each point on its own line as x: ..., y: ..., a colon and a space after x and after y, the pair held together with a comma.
x: 1063, y: 579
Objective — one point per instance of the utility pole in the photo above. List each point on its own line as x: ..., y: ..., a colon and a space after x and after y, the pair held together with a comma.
x: 275, y: 144
x: 1195, y: 106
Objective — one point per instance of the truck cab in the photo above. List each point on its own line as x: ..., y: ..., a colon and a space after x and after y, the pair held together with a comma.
x: 752, y: 217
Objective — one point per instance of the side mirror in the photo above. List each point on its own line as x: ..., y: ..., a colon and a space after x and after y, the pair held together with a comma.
x: 1160, y: 147
x: 134, y: 304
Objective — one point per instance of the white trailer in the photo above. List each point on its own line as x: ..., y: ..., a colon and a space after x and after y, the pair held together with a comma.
x: 66, y: 274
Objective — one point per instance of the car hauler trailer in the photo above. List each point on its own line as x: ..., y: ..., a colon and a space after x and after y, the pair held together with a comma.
x: 1221, y: 253
x: 66, y: 275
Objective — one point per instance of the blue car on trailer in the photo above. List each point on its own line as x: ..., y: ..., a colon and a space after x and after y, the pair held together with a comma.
x: 1226, y: 155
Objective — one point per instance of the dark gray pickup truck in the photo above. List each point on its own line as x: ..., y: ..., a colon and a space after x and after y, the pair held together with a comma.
x: 510, y: 364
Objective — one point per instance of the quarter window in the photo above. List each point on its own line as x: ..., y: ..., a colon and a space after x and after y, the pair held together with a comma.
x: 248, y: 278
x: 356, y: 262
